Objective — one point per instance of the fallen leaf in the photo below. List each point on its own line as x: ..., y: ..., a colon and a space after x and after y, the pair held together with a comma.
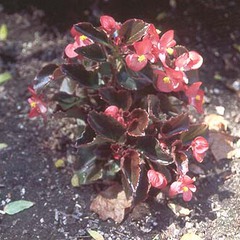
x: 221, y: 145
x: 178, y: 210
x: 111, y: 203
x: 217, y: 76
x: 75, y: 181
x: 17, y: 206
x: 3, y: 32
x: 4, y: 77
x: 95, y: 235
x: 216, y: 122
x: 190, y: 236
x: 60, y: 163
x: 3, y: 145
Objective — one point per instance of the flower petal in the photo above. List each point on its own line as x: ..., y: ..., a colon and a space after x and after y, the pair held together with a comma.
x: 187, y: 196
x: 134, y: 64
x: 143, y: 47
x: 175, y: 189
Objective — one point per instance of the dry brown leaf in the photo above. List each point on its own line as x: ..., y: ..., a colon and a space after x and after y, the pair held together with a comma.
x: 216, y: 122
x: 111, y: 203
x: 178, y: 210
x: 221, y: 145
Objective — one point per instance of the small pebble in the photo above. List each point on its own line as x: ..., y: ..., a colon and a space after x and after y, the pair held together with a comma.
x: 220, y: 110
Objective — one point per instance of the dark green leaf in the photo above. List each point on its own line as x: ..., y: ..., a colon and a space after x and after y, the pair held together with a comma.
x: 153, y: 105
x: 86, y: 155
x: 132, y: 31
x: 79, y: 74
x: 193, y: 132
x: 91, y: 32
x: 105, y: 69
x: 133, y: 80
x: 65, y: 100
x: 138, y: 122
x: 90, y: 162
x: 179, y: 50
x: 93, y: 52
x: 86, y: 136
x: 121, y: 98
x: 143, y: 186
x: 89, y: 173
x: 150, y: 147
x: 134, y: 176
x: 175, y: 125
x: 167, y: 105
x: 45, y: 75
x: 68, y: 86
x: 106, y: 126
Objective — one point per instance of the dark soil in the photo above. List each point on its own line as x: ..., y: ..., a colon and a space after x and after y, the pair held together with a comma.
x: 37, y: 36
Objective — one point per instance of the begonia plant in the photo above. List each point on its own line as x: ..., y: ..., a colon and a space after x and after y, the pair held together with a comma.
x: 129, y: 87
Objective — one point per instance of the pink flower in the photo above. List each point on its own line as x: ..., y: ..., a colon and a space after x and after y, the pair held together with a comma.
x: 199, y: 147
x: 165, y: 45
x: 38, y: 107
x: 152, y: 34
x: 80, y: 41
x: 116, y: 113
x: 183, y: 185
x: 156, y: 179
x: 188, y: 61
x: 195, y: 96
x: 170, y: 80
x: 138, y: 60
x: 166, y: 41
x: 109, y: 24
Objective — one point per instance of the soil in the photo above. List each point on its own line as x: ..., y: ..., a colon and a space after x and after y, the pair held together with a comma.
x: 37, y: 34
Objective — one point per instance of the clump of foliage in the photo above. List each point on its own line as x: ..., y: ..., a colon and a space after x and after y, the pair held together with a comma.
x: 129, y: 86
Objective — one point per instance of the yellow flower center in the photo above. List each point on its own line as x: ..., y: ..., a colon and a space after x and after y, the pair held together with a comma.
x: 33, y: 104
x: 170, y: 51
x: 185, y: 189
x: 198, y: 97
x: 141, y: 58
x: 83, y: 37
x: 166, y: 80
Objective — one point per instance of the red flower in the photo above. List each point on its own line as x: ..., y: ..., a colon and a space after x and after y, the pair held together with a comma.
x: 165, y: 45
x: 195, y: 96
x: 152, y: 34
x: 138, y: 60
x: 116, y: 113
x: 199, y: 147
x: 80, y: 41
x: 188, y: 61
x: 166, y: 41
x: 156, y: 179
x: 183, y: 185
x: 109, y: 24
x: 38, y: 107
x: 170, y: 80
